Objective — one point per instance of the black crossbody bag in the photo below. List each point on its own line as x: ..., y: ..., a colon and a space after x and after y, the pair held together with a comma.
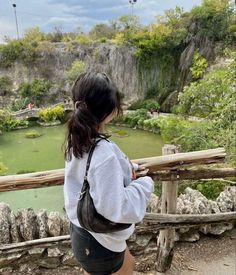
x: 87, y: 214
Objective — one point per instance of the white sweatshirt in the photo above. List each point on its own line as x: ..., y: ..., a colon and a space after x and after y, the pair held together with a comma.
x: 110, y: 170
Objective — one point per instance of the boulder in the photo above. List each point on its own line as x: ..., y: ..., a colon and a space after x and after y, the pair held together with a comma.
x: 227, y: 199
x: 27, y: 224
x: 54, y: 224
x: 15, y: 237
x: 42, y: 223
x: 5, y: 212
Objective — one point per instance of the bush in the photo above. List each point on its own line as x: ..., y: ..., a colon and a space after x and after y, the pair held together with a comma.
x: 199, y: 66
x: 52, y: 114
x: 35, y: 91
x: 20, y: 50
x: 20, y: 104
x: 8, y: 122
x: 76, y: 69
x: 210, y: 189
x: 32, y: 134
x: 132, y: 119
x: 147, y: 104
x: 209, y: 95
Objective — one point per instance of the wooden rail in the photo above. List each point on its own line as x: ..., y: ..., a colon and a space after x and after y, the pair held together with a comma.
x: 164, y: 168
x: 169, y: 169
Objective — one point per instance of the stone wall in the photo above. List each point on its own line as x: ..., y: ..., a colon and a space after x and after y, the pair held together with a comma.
x: 27, y: 226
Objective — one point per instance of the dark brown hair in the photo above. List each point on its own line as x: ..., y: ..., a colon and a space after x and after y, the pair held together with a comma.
x: 95, y: 97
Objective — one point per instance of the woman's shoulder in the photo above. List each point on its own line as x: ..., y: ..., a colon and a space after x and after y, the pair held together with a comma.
x: 105, y: 151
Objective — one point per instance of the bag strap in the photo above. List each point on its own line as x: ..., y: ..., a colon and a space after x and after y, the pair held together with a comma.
x: 90, y: 155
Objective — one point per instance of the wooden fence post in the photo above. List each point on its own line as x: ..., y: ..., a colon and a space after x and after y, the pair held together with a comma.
x: 165, y: 242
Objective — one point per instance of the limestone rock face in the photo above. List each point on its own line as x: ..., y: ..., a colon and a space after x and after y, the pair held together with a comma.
x: 193, y: 202
x: 15, y: 237
x: 65, y: 225
x: 227, y: 199
x: 54, y: 224
x: 154, y: 204
x: 42, y: 225
x: 5, y: 212
x: 26, y: 221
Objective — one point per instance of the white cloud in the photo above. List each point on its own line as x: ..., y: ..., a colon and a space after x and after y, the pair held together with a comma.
x: 69, y: 14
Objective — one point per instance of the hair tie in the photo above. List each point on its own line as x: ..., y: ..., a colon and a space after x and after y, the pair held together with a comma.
x: 80, y: 103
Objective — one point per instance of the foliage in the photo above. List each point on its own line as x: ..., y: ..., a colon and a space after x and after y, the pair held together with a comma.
x: 135, y: 117
x: 101, y: 31
x: 213, y: 96
x: 32, y: 134
x: 5, y: 85
x: 55, y: 36
x: 3, y: 169
x: 83, y: 39
x: 8, y: 122
x: 147, y: 104
x: 35, y: 91
x: 18, y: 50
x: 210, y: 189
x: 189, y: 135
x: 215, y: 17
x: 76, y: 69
x: 199, y: 66
x: 34, y: 34
x: 20, y: 104
x: 52, y: 114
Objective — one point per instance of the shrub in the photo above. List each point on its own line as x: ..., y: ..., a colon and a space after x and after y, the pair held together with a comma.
x: 133, y: 118
x: 199, y: 66
x: 8, y: 122
x: 32, y: 134
x: 147, y: 104
x: 35, y: 91
x: 77, y: 68
x: 20, y: 104
x: 210, y: 189
x: 209, y: 95
x: 52, y: 114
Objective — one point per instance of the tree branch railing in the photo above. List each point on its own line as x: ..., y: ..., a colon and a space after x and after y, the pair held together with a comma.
x: 163, y: 168
x: 169, y: 169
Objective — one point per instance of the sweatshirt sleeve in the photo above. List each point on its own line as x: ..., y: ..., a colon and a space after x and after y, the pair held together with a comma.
x: 114, y: 201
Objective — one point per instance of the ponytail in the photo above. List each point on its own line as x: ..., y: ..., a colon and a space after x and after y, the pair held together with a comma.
x: 94, y: 97
x: 82, y: 129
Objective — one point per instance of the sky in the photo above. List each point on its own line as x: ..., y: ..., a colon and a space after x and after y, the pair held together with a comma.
x: 68, y: 15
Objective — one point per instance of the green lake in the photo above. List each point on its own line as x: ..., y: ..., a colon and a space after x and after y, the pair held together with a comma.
x: 46, y: 153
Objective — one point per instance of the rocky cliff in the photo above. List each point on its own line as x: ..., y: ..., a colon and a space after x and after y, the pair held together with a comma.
x: 165, y: 75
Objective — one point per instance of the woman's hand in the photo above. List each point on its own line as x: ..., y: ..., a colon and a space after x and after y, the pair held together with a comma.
x: 142, y: 171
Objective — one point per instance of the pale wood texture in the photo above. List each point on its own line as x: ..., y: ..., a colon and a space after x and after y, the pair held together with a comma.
x: 173, y: 161
x: 166, y: 238
x: 56, y: 177
x: 194, y: 174
x: 153, y: 222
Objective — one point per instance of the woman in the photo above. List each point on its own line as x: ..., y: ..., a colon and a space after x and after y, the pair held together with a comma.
x: 116, y: 194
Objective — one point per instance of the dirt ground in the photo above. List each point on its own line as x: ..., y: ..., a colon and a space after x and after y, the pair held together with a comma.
x: 211, y: 255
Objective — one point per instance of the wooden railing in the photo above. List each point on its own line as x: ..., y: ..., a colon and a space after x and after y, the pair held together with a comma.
x: 170, y: 169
